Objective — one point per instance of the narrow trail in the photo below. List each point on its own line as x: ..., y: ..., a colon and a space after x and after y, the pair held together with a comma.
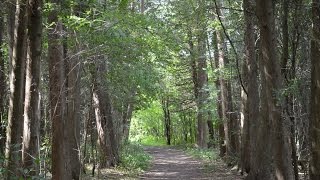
x: 171, y: 163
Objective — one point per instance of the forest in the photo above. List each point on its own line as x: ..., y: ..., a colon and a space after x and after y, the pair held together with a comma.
x: 92, y: 85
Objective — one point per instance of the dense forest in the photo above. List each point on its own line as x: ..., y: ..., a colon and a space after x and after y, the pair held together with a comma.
x: 81, y: 80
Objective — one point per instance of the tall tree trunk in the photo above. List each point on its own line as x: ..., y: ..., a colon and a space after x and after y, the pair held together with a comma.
x: 17, y: 72
x: 104, y: 122
x: 202, y: 79
x: 167, y: 119
x: 249, y: 140
x: 32, y: 97
x: 73, y: 120
x: 57, y: 85
x: 281, y: 149
x: 288, y: 76
x: 127, y: 120
x: 315, y: 93
x: 228, y: 116
x: 222, y: 146
x: 73, y: 117
x: 2, y: 85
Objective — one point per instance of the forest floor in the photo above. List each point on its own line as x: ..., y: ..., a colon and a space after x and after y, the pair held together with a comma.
x: 172, y: 163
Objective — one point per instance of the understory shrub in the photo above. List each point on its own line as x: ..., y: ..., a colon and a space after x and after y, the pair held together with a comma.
x: 134, y: 158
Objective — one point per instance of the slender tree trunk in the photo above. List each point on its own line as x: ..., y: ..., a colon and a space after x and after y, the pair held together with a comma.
x: 315, y: 93
x: 167, y: 119
x: 252, y: 102
x: 222, y: 145
x: 17, y: 72
x: 245, y: 121
x: 31, y: 133
x: 224, y: 95
x: 288, y: 75
x: 73, y: 120
x: 127, y: 121
x: 2, y: 85
x: 228, y: 116
x: 104, y: 122
x: 57, y: 86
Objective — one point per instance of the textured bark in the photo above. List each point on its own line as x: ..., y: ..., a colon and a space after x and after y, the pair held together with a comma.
x: 2, y: 86
x: 228, y: 116
x: 251, y: 104
x: 315, y: 93
x: 222, y: 147
x: 30, y: 145
x: 73, y: 120
x: 104, y: 122
x: 167, y: 119
x: 57, y: 95
x: 203, y: 94
x: 17, y: 72
x: 288, y: 75
x: 270, y: 67
x: 127, y: 121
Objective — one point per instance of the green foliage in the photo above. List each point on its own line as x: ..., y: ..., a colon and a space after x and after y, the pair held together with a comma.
x: 147, y: 122
x: 153, y: 141
x: 203, y: 154
x: 133, y: 158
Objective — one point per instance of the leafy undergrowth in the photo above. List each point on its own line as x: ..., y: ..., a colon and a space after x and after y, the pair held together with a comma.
x: 134, y: 158
x: 153, y: 141
x: 206, y: 155
x: 133, y: 162
x: 209, y: 157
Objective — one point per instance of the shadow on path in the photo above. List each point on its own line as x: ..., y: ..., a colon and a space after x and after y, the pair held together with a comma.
x: 170, y: 163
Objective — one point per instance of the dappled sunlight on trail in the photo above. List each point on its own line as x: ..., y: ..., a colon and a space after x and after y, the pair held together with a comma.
x: 170, y: 163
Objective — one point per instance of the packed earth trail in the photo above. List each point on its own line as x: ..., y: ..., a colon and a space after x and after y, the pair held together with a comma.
x: 172, y: 163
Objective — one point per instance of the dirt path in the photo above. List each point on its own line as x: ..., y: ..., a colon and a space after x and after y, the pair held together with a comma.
x: 170, y: 163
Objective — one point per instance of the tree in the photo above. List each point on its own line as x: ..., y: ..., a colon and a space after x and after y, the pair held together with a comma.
x: 73, y: 66
x: 201, y: 86
x: 31, y: 134
x: 57, y: 95
x: 103, y: 115
x: 167, y: 119
x: 228, y: 116
x: 2, y: 85
x: 251, y: 99
x: 17, y: 52
x: 275, y: 159
x: 315, y: 93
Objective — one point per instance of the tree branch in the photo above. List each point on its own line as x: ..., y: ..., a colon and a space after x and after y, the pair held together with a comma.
x: 232, y: 45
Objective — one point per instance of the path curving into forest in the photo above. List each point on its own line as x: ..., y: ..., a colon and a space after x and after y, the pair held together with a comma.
x: 171, y: 163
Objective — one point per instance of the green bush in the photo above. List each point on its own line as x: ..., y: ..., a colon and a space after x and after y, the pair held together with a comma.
x: 133, y: 158
x: 203, y: 154
x: 153, y: 141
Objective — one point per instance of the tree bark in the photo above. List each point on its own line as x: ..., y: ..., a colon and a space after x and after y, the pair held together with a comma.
x: 251, y: 102
x: 228, y: 116
x: 2, y: 85
x: 57, y: 86
x: 17, y: 72
x: 104, y: 122
x: 32, y: 97
x: 167, y: 119
x: 73, y: 120
x: 315, y: 93
x: 281, y: 148
x: 127, y: 121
